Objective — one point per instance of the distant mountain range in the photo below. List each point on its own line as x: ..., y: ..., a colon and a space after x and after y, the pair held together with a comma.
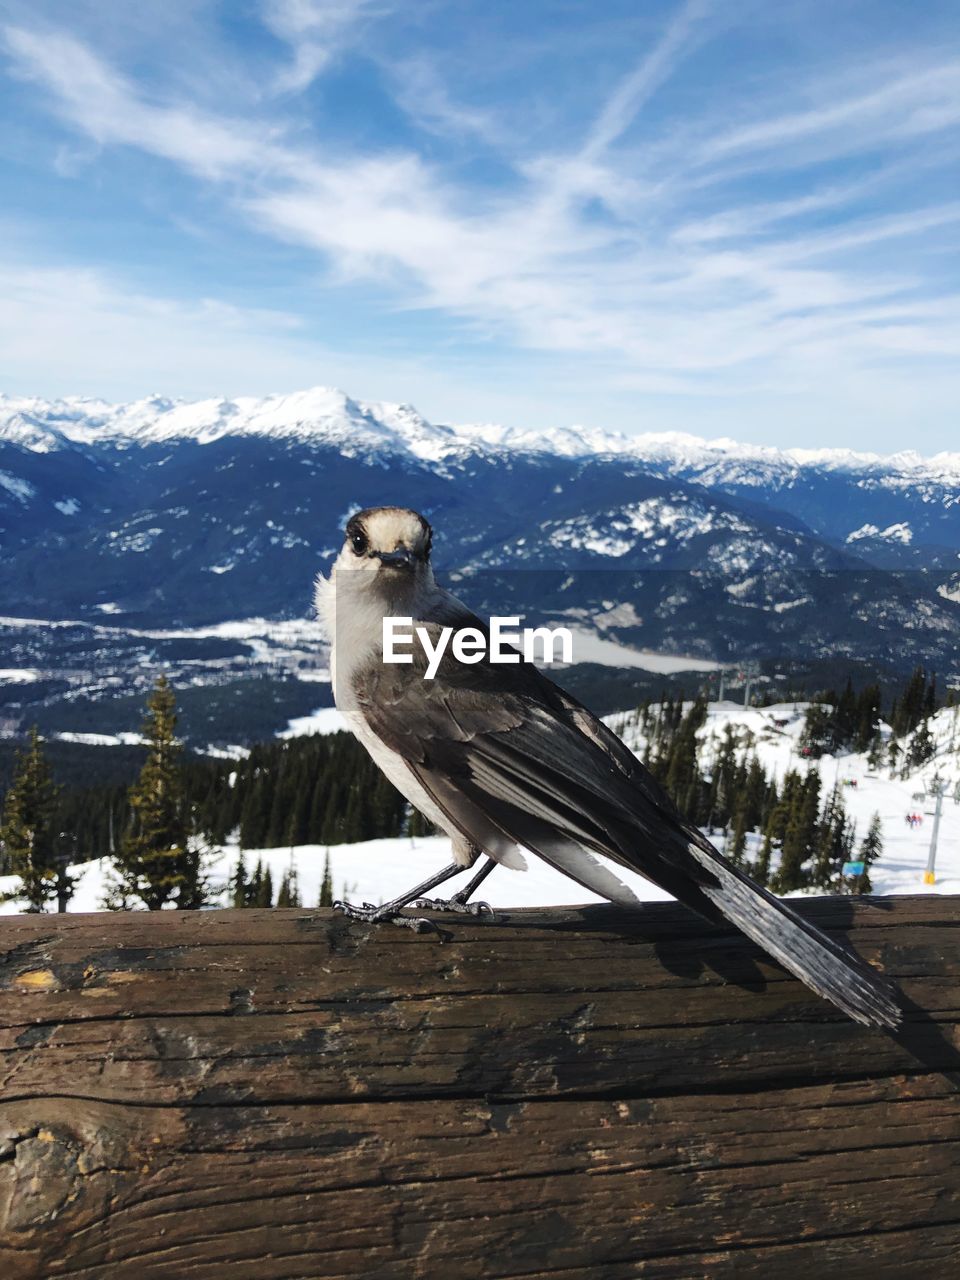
x: 167, y: 514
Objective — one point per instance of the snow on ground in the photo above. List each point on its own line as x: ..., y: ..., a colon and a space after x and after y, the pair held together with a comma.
x: 376, y: 870
x: 326, y: 720
x: 103, y: 739
x: 776, y: 733
x: 370, y: 871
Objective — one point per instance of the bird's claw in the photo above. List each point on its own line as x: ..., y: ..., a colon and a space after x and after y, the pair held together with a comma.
x: 457, y: 905
x: 384, y: 915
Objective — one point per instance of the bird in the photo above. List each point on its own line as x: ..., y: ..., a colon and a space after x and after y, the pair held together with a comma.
x: 508, y: 764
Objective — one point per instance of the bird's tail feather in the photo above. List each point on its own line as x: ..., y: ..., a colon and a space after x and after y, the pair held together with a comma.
x: 824, y: 965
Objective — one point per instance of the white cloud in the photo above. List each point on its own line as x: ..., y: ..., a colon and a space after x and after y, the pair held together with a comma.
x: 315, y: 30
x: 422, y: 94
x: 98, y: 101
x: 905, y: 105
x: 651, y: 72
x: 590, y: 251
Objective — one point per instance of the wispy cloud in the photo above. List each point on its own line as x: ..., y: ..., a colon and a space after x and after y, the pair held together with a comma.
x: 425, y: 97
x: 620, y: 109
x: 906, y: 104
x: 315, y: 30
x: 634, y: 241
x: 100, y: 102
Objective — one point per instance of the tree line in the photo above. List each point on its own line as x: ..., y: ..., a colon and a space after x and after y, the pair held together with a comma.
x: 732, y: 796
x: 850, y: 721
x: 158, y: 832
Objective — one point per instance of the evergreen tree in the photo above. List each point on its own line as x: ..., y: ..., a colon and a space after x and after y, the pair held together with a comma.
x: 255, y: 887
x: 819, y: 730
x: 326, y: 886
x: 239, y: 886
x: 289, y: 892
x: 834, y: 842
x: 921, y: 749
x: 799, y: 837
x: 158, y: 862
x: 27, y: 834
x: 846, y: 717
x: 263, y: 896
x: 761, y: 868
x: 910, y: 707
x: 930, y: 699
x: 738, y: 846
x: 868, y: 718
x: 871, y: 847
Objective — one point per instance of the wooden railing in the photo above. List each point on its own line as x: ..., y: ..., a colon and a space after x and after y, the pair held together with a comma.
x: 286, y: 1095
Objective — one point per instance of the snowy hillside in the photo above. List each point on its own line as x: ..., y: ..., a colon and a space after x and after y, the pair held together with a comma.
x: 375, y: 870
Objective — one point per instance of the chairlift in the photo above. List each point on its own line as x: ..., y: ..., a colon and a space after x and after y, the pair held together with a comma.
x: 919, y: 795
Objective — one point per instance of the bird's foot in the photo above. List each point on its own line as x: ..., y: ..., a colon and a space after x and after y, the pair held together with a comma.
x: 388, y: 914
x: 457, y: 904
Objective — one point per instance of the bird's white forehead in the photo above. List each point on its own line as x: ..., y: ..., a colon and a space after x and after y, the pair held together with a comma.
x: 389, y: 527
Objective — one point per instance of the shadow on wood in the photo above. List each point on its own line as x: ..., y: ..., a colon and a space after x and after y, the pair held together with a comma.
x: 289, y: 1095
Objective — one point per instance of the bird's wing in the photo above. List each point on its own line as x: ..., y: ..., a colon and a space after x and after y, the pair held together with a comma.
x: 508, y: 756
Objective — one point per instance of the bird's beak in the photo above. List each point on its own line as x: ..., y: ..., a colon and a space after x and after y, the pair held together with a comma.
x: 400, y: 559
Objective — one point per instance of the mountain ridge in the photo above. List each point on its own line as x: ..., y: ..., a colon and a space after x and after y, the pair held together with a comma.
x: 324, y: 413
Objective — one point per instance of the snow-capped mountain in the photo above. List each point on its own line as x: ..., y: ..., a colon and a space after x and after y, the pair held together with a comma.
x: 902, y: 510
x: 166, y: 514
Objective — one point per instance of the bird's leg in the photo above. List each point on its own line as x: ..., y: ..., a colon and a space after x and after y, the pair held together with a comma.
x: 459, y: 902
x: 391, y: 910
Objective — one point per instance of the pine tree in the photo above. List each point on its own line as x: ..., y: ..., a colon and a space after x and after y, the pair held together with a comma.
x: 868, y: 717
x: 26, y: 833
x: 833, y: 842
x: 799, y: 835
x: 761, y: 868
x: 875, y: 755
x: 255, y: 886
x: 871, y: 847
x: 326, y: 886
x: 819, y: 730
x: 239, y: 886
x: 158, y: 862
x: 264, y: 895
x: 909, y: 709
x: 738, y: 846
x: 847, y: 717
x: 289, y: 892
x: 921, y: 749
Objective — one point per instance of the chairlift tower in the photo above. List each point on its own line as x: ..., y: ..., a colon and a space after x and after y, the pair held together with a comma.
x: 936, y: 788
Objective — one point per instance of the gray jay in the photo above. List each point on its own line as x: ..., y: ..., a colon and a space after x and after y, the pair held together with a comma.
x: 504, y: 761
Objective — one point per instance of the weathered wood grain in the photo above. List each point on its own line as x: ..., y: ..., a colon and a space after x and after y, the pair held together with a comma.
x: 288, y: 1095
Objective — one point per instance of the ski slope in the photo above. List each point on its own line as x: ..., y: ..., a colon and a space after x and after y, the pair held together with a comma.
x: 377, y: 870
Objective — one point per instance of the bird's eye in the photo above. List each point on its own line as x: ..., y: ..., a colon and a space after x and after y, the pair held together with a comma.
x: 359, y: 543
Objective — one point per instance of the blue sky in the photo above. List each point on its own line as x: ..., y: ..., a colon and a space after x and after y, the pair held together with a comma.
x: 730, y: 217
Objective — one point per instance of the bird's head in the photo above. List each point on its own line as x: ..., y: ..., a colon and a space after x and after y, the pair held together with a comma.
x: 391, y: 544
x: 383, y: 568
